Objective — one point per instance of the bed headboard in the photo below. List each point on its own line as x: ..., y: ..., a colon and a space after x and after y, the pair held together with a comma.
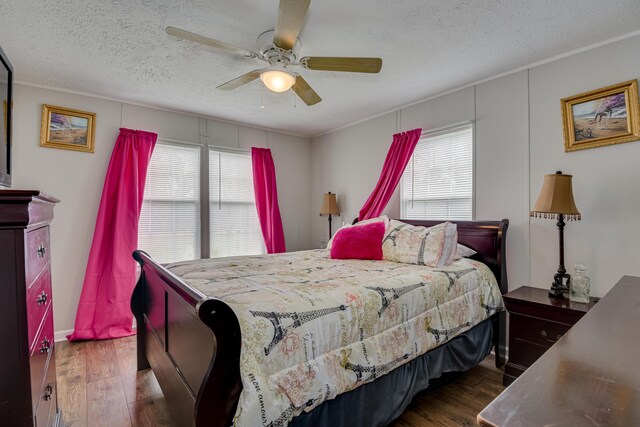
x: 487, y: 238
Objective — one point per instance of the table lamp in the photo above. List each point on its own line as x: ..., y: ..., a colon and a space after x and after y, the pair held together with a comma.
x: 556, y: 202
x: 329, y: 207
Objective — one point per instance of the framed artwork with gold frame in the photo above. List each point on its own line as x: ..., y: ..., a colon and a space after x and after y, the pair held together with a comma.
x: 605, y: 116
x: 67, y: 129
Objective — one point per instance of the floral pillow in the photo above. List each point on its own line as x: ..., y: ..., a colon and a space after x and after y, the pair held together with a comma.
x: 434, y: 246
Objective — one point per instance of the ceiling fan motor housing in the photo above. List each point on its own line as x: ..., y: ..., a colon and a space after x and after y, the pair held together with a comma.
x: 274, y: 54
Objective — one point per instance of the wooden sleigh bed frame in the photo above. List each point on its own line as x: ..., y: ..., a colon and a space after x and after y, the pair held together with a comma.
x: 192, y: 342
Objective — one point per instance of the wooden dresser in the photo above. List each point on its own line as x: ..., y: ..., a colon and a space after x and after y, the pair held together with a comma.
x: 27, y: 351
x: 590, y: 377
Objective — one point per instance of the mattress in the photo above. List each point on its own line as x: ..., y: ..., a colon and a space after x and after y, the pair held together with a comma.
x: 313, y: 328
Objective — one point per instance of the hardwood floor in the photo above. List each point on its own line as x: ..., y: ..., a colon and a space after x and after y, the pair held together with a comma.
x: 98, y: 386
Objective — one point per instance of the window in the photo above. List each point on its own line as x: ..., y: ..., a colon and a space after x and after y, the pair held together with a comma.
x: 234, y: 226
x: 171, y: 228
x: 438, y: 180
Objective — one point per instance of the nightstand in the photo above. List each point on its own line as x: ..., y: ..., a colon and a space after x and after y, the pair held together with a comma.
x: 536, y: 322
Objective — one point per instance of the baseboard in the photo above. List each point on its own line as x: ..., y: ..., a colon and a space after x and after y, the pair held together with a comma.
x: 59, y: 336
x: 62, y: 335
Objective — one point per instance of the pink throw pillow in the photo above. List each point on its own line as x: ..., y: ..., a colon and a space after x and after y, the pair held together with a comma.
x: 363, y: 242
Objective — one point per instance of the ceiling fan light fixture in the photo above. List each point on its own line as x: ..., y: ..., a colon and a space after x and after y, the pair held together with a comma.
x: 277, y: 80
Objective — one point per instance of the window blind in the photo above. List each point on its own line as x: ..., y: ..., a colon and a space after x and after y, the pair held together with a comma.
x: 234, y: 225
x: 438, y: 180
x: 169, y: 227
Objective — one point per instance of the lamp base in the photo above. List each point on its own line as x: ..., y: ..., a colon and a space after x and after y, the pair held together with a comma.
x: 558, y: 287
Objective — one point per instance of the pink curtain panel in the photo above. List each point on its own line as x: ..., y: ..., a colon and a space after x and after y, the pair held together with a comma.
x: 104, y: 309
x: 266, y: 192
x: 397, y: 158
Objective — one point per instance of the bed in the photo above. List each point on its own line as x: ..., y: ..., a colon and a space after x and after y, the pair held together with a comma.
x: 207, y: 327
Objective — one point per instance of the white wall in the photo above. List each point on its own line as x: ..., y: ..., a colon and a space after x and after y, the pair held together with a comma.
x: 77, y: 178
x: 518, y: 139
x: 605, y: 179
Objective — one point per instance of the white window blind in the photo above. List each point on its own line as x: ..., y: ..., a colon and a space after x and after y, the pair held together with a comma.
x: 438, y: 180
x: 234, y: 225
x: 169, y: 227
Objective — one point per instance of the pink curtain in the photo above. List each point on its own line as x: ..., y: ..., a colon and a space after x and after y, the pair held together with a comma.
x: 397, y: 158
x: 104, y: 309
x: 264, y: 186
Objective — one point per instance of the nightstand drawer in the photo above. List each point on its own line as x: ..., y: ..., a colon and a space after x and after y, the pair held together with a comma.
x: 524, y: 353
x: 535, y: 330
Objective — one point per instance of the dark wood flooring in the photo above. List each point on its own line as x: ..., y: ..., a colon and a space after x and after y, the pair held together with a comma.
x: 98, y: 386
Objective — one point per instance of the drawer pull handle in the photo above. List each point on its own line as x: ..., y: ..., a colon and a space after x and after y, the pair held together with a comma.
x: 48, y: 392
x: 45, y: 346
x: 41, y: 251
x: 42, y: 298
x: 545, y: 336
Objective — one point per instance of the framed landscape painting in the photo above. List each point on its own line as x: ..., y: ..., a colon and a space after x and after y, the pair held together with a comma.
x: 67, y: 129
x: 601, y: 117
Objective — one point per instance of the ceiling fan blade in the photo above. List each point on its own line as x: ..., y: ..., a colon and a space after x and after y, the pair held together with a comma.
x: 291, y: 15
x: 351, y: 65
x: 239, y: 81
x: 304, y: 91
x: 186, y: 35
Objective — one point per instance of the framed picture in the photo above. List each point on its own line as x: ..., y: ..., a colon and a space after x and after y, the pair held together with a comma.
x: 601, y: 117
x: 66, y: 128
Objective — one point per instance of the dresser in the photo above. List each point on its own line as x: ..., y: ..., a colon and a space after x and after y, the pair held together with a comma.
x: 589, y: 378
x: 27, y: 350
x: 536, y: 322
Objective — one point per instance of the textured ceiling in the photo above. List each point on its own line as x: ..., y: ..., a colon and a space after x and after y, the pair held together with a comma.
x: 118, y: 48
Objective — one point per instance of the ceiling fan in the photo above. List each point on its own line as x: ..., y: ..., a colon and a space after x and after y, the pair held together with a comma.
x: 279, y: 48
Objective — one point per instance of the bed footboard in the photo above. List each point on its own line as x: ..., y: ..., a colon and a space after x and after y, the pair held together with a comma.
x: 191, y: 342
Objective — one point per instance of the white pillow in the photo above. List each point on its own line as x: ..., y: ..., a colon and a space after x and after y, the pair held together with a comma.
x: 464, y: 252
x: 434, y: 246
x: 382, y: 218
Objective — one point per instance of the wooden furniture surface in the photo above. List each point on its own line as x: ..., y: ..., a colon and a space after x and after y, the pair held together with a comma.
x: 193, y: 342
x: 27, y: 354
x: 589, y: 377
x: 536, y: 322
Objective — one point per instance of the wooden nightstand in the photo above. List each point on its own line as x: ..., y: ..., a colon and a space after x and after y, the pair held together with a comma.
x: 536, y: 322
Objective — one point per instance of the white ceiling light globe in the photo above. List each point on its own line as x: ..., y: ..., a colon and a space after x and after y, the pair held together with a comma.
x: 277, y: 80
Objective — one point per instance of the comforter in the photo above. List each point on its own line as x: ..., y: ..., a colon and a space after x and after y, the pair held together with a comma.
x: 313, y: 328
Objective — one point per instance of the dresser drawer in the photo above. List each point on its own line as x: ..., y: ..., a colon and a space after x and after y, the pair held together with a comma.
x: 38, y: 301
x: 37, y: 253
x: 535, y: 330
x: 39, y: 355
x: 47, y: 399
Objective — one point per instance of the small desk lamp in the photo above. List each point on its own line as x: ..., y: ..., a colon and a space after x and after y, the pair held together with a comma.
x: 329, y: 207
x: 556, y: 202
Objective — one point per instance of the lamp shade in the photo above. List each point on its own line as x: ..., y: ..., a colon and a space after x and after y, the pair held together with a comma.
x: 329, y: 204
x: 556, y: 197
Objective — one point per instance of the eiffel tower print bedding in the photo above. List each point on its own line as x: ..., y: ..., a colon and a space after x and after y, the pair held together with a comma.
x: 313, y: 327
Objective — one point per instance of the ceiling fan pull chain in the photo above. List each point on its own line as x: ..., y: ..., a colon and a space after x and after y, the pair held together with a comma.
x: 293, y: 95
x: 261, y: 98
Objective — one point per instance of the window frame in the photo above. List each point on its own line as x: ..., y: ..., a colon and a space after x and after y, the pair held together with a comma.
x: 443, y: 130
x: 205, y: 179
x: 204, y: 201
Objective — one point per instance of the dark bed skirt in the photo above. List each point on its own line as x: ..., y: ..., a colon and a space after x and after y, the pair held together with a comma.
x: 380, y: 402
